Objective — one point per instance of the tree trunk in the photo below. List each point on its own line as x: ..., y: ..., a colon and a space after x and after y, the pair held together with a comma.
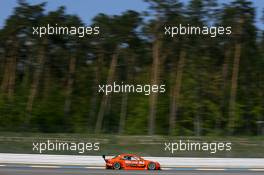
x: 2, y: 65
x: 224, y: 87
x: 123, y: 113
x: 69, y: 87
x: 26, y: 75
x: 197, y: 125
x: 47, y: 81
x: 12, y: 78
x: 155, y: 81
x: 232, y: 101
x: 4, y: 85
x: 36, y: 78
x: 225, y: 68
x: 234, y: 81
x: 176, y: 92
x: 9, y: 79
x: 94, y: 99
x: 128, y: 77
x: 105, y: 97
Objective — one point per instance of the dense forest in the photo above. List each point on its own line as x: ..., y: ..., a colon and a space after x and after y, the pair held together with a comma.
x: 214, y: 86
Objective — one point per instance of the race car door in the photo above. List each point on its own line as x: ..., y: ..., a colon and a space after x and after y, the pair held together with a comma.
x: 131, y: 161
x: 141, y: 162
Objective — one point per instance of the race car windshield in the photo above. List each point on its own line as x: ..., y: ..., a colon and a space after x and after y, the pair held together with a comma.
x: 115, y: 156
x: 127, y: 158
x: 135, y: 158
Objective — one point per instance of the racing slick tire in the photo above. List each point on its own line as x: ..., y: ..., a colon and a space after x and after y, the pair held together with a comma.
x: 151, y: 166
x: 117, y: 166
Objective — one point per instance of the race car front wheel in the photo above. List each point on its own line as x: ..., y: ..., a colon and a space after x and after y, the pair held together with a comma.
x: 117, y: 166
x: 151, y: 166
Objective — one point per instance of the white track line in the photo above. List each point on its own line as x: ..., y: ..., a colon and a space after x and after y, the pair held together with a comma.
x: 95, y: 167
x: 256, y: 169
x: 167, y: 168
x: 43, y: 166
x: 210, y: 169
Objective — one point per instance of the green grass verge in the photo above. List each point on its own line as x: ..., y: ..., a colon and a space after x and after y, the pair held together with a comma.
x: 246, y: 147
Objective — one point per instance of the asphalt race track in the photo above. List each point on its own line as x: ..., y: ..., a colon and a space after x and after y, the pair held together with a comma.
x: 57, y: 170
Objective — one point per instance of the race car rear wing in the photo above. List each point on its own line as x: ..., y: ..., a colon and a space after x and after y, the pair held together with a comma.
x: 104, y: 157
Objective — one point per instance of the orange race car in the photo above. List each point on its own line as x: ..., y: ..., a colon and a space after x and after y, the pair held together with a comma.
x: 130, y: 162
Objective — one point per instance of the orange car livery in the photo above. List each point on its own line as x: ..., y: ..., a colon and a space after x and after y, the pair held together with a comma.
x: 130, y: 162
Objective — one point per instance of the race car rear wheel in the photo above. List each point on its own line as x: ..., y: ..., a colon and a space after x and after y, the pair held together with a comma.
x: 117, y: 166
x: 151, y: 166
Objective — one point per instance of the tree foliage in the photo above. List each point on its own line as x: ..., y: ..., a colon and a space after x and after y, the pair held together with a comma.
x: 213, y: 85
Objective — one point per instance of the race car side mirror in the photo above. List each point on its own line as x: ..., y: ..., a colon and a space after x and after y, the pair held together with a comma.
x: 103, y: 156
